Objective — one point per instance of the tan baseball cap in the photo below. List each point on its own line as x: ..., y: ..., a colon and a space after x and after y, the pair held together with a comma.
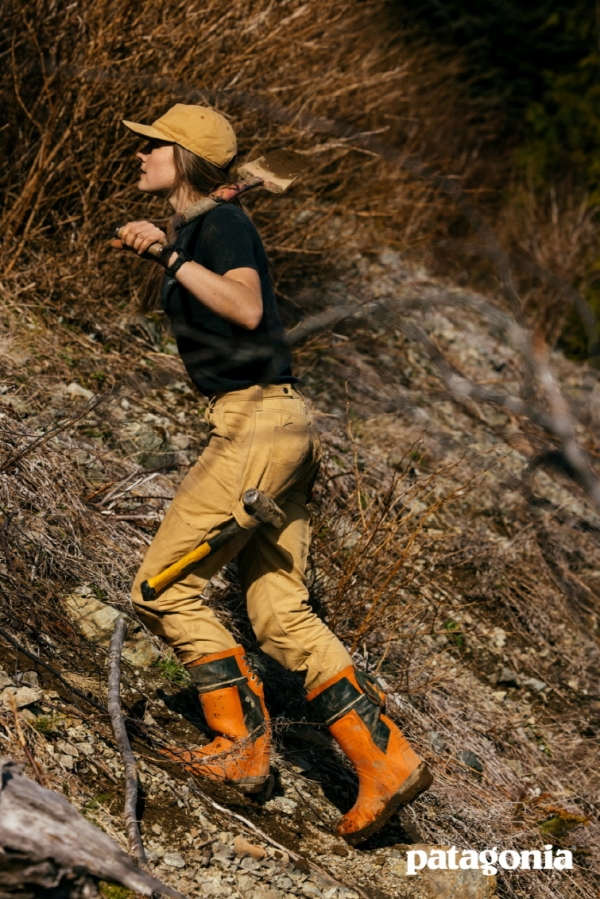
x: 197, y: 128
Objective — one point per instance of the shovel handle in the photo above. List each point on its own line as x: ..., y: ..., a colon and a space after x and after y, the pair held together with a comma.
x: 155, y: 250
x: 223, y: 194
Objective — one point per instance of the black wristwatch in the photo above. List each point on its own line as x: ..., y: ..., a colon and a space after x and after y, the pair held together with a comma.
x: 181, y: 258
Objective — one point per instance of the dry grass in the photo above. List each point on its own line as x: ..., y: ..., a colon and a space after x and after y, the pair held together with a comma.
x: 459, y: 578
x: 378, y: 113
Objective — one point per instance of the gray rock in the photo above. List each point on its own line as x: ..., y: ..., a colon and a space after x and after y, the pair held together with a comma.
x: 210, y: 887
x: 268, y: 863
x: 174, y: 860
x: 249, y: 864
x: 323, y: 883
x: 245, y: 883
x: 311, y: 890
x: 86, y: 748
x: 181, y: 441
x: 142, y: 437
x: 533, y: 683
x: 97, y: 620
x: 5, y: 680
x: 267, y: 893
x: 67, y: 748
x: 470, y: 759
x: 508, y: 677
x: 23, y: 696
x: 221, y: 848
x: 30, y: 679
x: 438, y: 744
x: 76, y: 390
x: 439, y: 884
x: 287, y: 806
x: 221, y: 860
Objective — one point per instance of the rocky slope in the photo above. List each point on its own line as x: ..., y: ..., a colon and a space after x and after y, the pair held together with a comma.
x: 452, y: 553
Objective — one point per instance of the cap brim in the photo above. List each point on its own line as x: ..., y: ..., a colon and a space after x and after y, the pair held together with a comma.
x: 147, y: 131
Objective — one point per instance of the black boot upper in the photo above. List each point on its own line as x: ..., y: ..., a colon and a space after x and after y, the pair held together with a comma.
x: 217, y: 674
x: 226, y: 672
x: 342, y: 697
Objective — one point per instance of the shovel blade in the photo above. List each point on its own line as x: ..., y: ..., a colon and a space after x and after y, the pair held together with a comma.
x: 277, y: 170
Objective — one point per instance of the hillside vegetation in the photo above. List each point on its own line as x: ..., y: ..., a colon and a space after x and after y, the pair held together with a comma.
x: 458, y: 512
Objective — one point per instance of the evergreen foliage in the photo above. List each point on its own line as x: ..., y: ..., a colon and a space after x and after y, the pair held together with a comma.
x: 540, y: 64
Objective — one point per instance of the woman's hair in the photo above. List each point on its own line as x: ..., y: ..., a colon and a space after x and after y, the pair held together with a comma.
x: 199, y: 177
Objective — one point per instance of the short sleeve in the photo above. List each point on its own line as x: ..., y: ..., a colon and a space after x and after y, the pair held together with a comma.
x: 227, y: 241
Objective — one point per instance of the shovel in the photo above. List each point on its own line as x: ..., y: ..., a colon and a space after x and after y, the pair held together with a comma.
x: 275, y: 172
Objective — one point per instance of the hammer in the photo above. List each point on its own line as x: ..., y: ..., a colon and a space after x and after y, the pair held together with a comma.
x: 256, y: 503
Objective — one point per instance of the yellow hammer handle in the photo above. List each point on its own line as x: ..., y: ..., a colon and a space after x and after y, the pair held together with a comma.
x: 171, y: 573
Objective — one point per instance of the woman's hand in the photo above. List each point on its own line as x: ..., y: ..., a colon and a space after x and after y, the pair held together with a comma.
x: 138, y: 236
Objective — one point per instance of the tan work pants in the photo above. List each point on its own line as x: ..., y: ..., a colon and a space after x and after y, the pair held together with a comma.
x: 259, y: 437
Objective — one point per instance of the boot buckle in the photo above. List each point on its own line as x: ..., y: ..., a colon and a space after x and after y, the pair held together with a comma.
x: 371, y: 688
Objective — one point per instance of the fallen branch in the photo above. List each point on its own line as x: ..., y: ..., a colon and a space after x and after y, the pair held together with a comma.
x: 557, y: 420
x: 417, y: 294
x: 264, y: 836
x: 129, y: 763
x: 533, y: 268
x: 53, y: 850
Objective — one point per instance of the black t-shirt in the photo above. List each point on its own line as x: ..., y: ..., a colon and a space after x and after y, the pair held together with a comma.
x: 219, y: 355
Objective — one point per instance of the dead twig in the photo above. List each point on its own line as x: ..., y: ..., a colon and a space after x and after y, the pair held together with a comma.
x: 120, y: 731
x: 562, y: 426
x: 52, y: 671
x: 23, y: 743
x: 44, y: 438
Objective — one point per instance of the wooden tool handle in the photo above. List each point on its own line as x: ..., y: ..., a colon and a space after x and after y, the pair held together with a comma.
x: 222, y: 195
x: 154, y: 250
x: 155, y: 584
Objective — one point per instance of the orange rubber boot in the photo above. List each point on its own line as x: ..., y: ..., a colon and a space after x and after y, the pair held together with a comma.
x: 390, y: 773
x: 232, y: 698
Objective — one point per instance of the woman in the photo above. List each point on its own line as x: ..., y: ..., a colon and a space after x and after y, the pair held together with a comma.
x: 217, y: 293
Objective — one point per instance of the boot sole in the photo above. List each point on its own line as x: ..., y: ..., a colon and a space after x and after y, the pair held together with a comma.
x: 248, y: 784
x: 415, y: 784
x: 252, y: 784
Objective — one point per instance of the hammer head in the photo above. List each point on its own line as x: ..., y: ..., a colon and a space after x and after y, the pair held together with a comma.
x: 262, y: 507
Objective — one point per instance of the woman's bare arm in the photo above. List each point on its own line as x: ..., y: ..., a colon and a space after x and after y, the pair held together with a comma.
x: 236, y: 296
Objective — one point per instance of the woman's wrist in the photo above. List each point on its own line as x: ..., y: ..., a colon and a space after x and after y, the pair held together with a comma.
x: 175, y: 259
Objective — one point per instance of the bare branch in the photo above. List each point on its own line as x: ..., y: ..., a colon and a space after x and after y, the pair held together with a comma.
x: 47, y: 838
x: 129, y: 763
